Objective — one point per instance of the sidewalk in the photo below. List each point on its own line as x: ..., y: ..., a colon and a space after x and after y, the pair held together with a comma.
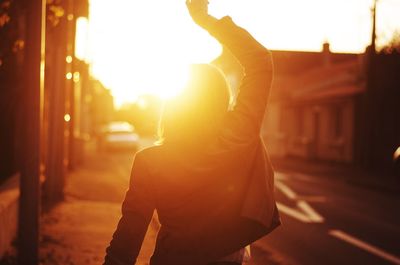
x: 78, y: 230
x: 346, y: 172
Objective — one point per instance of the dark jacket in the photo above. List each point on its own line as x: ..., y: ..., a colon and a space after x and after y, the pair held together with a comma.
x: 210, y: 201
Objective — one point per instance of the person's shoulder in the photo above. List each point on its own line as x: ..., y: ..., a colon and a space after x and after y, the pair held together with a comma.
x: 148, y: 153
x: 150, y: 158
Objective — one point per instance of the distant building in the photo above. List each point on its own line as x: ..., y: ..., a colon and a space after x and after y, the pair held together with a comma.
x: 313, y: 105
x: 312, y: 109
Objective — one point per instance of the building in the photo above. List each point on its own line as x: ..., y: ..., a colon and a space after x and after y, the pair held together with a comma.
x: 313, y: 106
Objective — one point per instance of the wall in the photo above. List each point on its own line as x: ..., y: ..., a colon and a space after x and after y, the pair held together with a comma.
x: 275, y: 138
x: 379, y: 115
x: 9, y: 195
x: 308, y: 130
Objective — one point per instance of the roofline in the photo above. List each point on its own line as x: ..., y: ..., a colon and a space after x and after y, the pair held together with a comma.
x: 314, y: 52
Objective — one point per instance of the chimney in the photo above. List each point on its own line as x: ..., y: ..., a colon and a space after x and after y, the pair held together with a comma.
x: 326, y: 53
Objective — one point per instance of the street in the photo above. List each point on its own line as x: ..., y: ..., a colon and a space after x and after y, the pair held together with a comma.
x: 326, y: 220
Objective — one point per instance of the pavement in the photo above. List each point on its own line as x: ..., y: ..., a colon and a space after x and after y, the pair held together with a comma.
x: 78, y: 230
x: 9, y: 194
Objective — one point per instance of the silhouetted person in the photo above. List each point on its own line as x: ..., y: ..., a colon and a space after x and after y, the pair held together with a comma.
x: 210, y: 180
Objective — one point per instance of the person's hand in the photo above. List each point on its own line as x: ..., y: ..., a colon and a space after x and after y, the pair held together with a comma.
x: 198, y: 10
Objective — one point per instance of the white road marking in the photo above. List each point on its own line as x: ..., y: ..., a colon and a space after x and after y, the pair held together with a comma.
x: 293, y: 213
x: 365, y: 246
x: 304, y: 212
x: 310, y: 212
x: 285, y: 190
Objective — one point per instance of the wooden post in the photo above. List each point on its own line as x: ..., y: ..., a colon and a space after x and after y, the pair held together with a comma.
x: 29, y: 212
x: 53, y: 187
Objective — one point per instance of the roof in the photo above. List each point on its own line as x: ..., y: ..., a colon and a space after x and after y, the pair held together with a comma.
x: 340, y: 79
x: 296, y: 62
x: 332, y: 92
x: 313, y: 75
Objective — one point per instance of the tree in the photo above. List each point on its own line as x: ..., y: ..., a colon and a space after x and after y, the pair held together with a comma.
x: 393, y: 46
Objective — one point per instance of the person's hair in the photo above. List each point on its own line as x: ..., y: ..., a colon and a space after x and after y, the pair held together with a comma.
x: 196, y: 113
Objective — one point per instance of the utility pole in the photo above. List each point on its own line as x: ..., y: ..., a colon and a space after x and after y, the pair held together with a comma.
x: 371, y: 111
x: 31, y: 170
x: 373, y: 38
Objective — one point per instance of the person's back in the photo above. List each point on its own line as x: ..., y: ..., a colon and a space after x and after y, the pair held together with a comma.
x: 212, y: 186
x: 192, y: 197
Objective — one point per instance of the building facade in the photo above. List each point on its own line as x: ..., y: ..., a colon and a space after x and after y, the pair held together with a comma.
x: 313, y: 104
x: 312, y: 110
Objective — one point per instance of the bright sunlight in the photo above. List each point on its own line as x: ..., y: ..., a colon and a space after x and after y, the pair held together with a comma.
x: 144, y: 47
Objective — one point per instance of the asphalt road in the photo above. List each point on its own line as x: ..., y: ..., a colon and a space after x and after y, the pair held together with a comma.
x: 329, y: 221
x: 326, y: 220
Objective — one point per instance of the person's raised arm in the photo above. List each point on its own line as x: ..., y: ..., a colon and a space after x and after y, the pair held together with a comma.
x: 247, y: 116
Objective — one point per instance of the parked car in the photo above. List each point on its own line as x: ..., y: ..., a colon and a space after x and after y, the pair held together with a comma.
x: 118, y: 136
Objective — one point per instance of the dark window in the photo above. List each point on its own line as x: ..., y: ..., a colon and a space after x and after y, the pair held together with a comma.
x: 300, y: 121
x: 337, y: 119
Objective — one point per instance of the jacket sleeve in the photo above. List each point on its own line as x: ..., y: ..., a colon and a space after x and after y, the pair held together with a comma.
x: 244, y: 122
x: 137, y: 211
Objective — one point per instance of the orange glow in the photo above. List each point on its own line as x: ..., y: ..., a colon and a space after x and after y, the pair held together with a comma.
x: 142, y: 103
x: 76, y: 77
x: 68, y: 59
x: 67, y: 118
x: 81, y: 39
x: 68, y: 76
x: 140, y: 47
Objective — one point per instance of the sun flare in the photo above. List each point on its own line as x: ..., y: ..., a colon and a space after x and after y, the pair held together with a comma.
x: 145, y: 50
x: 143, y: 47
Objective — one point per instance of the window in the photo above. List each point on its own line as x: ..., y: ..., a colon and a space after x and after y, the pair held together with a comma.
x: 337, y: 120
x: 300, y: 121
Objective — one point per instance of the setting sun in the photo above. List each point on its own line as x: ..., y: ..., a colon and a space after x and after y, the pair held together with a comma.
x: 143, y: 47
x: 147, y: 47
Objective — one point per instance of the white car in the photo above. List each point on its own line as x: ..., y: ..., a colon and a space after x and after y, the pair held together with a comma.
x: 118, y: 135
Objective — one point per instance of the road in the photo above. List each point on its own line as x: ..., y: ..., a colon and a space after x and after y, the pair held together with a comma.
x: 326, y: 220
x: 329, y: 221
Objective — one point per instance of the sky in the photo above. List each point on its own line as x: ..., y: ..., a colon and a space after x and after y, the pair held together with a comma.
x: 141, y: 46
